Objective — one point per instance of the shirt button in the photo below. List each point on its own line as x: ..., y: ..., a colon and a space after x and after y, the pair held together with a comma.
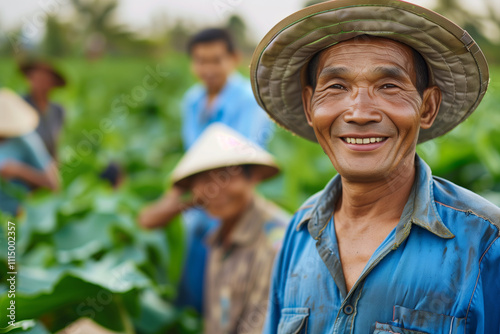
x: 348, y: 309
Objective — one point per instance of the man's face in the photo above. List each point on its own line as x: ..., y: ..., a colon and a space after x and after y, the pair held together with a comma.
x: 224, y: 192
x: 41, y: 80
x: 212, y: 63
x: 366, y: 111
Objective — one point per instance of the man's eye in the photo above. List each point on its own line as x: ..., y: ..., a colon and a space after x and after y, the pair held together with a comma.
x: 386, y: 86
x: 337, y: 86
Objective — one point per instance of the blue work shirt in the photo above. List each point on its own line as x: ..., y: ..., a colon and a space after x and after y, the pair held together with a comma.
x: 437, y: 272
x: 28, y: 149
x: 235, y: 106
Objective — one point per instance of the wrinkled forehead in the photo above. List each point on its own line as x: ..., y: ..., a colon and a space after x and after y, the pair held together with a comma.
x: 369, y: 47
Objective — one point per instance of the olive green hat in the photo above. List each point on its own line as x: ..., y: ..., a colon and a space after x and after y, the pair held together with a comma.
x: 456, y: 63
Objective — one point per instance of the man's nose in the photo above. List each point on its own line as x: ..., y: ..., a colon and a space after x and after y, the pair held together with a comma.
x: 363, y: 108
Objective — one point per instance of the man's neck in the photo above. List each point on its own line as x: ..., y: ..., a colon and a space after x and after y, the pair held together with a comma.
x: 361, y: 204
x: 213, y: 92
x: 228, y: 225
x: 40, y: 99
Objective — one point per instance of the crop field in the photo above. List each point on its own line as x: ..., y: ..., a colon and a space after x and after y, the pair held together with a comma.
x: 81, y: 253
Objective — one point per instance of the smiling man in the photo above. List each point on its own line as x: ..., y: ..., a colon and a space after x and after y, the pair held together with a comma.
x: 385, y: 247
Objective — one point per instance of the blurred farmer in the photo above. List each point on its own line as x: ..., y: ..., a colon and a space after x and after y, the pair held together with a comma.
x: 24, y: 161
x: 385, y: 247
x: 221, y: 170
x: 223, y: 96
x: 114, y: 174
x: 43, y: 78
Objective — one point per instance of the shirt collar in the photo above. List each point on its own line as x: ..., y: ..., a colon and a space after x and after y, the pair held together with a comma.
x: 420, y: 209
x: 247, y: 229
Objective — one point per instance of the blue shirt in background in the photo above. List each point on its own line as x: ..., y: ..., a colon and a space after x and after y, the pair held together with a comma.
x: 235, y: 106
x: 28, y: 149
x: 437, y: 272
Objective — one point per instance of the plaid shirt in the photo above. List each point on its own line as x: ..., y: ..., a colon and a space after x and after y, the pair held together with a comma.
x: 238, y: 275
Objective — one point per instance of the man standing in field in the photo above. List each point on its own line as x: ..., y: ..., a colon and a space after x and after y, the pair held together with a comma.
x: 43, y: 78
x: 385, y: 247
x: 223, y: 96
x: 221, y: 171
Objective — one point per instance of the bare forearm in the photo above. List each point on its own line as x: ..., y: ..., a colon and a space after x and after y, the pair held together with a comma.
x: 163, y: 211
x: 38, y: 178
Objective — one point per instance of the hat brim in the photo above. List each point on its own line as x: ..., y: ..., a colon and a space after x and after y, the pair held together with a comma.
x: 221, y: 146
x: 17, y: 117
x: 456, y: 63
x: 261, y: 172
x: 26, y: 68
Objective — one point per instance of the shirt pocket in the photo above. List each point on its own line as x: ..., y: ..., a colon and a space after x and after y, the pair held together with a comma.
x: 427, y: 321
x: 293, y: 320
x: 379, y: 328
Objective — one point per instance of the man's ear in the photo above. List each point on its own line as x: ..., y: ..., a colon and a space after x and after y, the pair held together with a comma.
x: 430, y: 106
x: 307, y: 93
x: 237, y: 57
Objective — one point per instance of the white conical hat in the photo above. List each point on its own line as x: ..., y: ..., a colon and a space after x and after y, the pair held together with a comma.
x: 17, y: 117
x: 220, y: 146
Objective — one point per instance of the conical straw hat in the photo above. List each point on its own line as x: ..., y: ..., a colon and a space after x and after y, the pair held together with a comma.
x: 220, y: 146
x: 17, y: 117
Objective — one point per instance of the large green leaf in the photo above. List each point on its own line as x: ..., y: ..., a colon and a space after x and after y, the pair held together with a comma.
x: 84, y: 238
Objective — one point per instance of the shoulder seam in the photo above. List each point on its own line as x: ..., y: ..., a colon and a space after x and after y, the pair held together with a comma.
x: 468, y: 212
x: 477, y: 280
x: 304, y: 207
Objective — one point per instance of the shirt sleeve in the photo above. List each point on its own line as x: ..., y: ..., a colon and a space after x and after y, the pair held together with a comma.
x: 253, y: 122
x: 490, y: 279
x: 61, y: 117
x: 35, y: 153
x: 275, y: 298
x: 254, y: 313
x: 261, y: 128
x: 189, y: 133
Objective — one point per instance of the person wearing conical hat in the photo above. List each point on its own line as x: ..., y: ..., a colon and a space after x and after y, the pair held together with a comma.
x: 385, y: 247
x: 221, y: 171
x: 222, y: 95
x: 24, y: 161
x: 43, y: 78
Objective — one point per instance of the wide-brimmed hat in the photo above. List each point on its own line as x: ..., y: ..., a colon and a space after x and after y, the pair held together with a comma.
x: 220, y: 146
x: 456, y: 63
x: 17, y: 117
x: 28, y: 66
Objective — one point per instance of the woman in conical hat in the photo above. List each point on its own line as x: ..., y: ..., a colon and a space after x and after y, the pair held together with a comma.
x: 24, y: 161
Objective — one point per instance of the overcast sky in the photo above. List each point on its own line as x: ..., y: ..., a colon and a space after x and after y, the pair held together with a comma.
x: 260, y: 15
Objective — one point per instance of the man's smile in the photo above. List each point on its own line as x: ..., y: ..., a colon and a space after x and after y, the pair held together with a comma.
x: 363, y: 140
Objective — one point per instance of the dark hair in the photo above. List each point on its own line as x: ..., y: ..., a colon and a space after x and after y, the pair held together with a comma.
x: 419, y: 64
x: 247, y: 171
x: 212, y: 35
x: 112, y: 173
x: 421, y: 70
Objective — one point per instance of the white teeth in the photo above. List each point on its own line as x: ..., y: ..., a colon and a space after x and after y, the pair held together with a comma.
x: 363, y: 140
